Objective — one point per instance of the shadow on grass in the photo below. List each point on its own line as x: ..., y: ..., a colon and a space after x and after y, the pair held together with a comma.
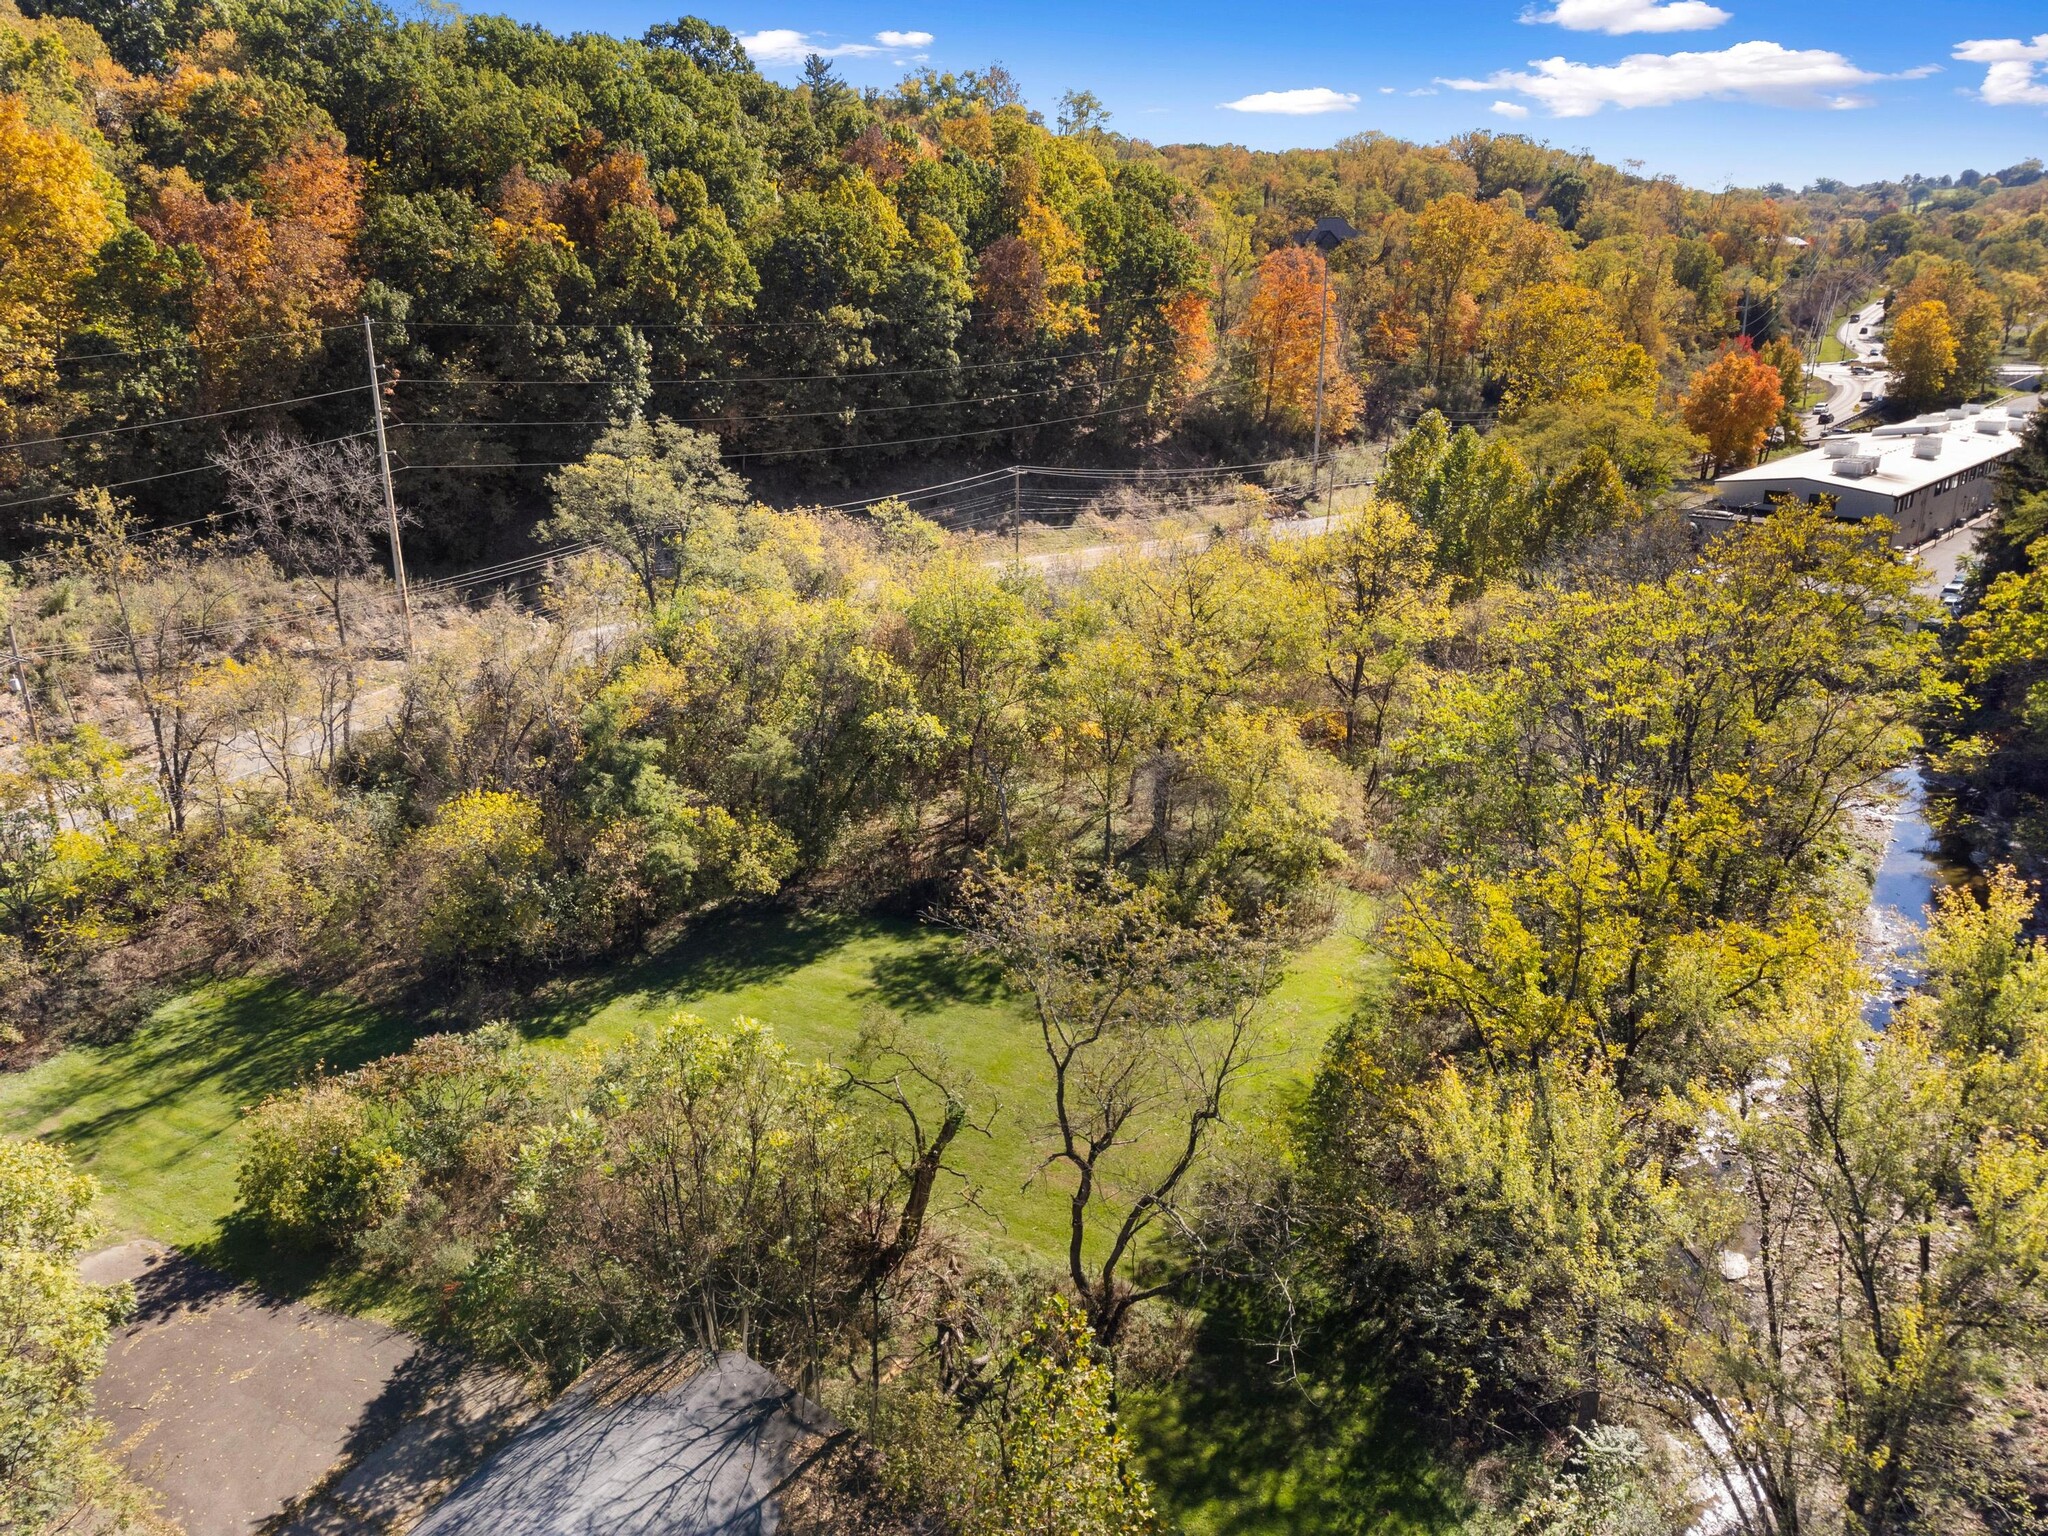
x: 757, y: 948
x: 934, y: 978
x: 247, y: 1039
x: 1233, y: 1451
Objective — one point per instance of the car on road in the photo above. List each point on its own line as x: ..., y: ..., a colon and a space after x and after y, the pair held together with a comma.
x: 1824, y: 416
x: 1867, y: 396
x: 1863, y: 330
x: 1952, y: 595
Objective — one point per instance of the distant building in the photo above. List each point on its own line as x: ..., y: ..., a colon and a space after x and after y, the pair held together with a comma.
x: 1926, y: 475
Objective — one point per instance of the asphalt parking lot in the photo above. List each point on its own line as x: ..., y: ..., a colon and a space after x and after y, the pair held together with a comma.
x: 232, y: 1406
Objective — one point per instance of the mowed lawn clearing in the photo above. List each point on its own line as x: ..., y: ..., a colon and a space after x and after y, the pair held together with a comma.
x: 157, y: 1117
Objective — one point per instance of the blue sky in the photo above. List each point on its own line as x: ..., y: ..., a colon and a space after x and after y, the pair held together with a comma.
x: 1713, y: 91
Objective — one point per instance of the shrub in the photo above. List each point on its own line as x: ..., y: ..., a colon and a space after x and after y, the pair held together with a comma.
x: 319, y: 1168
x: 478, y: 879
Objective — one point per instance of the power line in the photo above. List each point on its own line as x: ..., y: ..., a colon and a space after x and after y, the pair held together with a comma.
x: 526, y: 566
x: 169, y: 474
x: 689, y: 421
x: 760, y: 378
x: 173, y: 421
x: 772, y: 453
x: 725, y: 326
x: 187, y: 345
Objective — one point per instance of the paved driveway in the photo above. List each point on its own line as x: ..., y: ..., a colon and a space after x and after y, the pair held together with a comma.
x: 232, y: 1406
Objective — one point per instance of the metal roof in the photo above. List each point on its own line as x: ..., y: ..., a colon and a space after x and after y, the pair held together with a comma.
x: 1968, y: 438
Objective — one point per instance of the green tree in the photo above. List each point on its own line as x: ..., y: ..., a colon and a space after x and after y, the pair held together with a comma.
x: 1056, y: 1462
x: 53, y: 1341
x: 656, y: 496
x: 1372, y: 584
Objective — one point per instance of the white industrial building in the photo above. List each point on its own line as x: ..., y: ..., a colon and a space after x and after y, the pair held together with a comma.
x: 1926, y: 475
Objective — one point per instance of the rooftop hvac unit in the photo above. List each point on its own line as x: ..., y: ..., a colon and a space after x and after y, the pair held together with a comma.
x: 1856, y: 467
x: 1989, y: 425
x: 1955, y: 413
x: 1926, y: 447
x: 2022, y: 407
x: 1838, y: 447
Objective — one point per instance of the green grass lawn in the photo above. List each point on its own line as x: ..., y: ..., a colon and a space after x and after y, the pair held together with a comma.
x: 156, y: 1118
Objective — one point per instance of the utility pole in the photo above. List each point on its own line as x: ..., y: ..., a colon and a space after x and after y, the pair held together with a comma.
x: 28, y: 700
x: 390, y: 500
x: 1315, y: 463
x: 1017, y: 513
x: 1327, y: 235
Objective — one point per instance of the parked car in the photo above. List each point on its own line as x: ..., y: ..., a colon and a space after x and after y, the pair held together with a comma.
x: 1952, y: 596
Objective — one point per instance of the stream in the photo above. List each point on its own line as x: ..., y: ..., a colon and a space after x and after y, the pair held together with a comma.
x: 1912, y: 870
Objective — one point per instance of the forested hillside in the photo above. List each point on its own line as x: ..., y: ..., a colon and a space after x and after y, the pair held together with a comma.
x: 550, y: 233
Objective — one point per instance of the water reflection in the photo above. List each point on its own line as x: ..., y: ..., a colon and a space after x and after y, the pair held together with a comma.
x: 1911, y: 871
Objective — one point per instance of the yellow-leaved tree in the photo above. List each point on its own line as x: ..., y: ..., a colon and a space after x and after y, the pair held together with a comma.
x: 56, y: 209
x: 1558, y: 341
x: 1922, y: 349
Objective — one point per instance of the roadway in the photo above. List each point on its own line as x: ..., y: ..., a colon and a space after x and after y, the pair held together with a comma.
x: 1845, y: 388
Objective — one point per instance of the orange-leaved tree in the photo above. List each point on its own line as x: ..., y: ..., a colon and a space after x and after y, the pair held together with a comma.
x: 1283, y: 334
x: 1732, y: 403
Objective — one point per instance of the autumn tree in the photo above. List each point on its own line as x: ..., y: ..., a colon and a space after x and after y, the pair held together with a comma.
x: 1558, y: 341
x: 1380, y: 604
x: 1284, y: 335
x: 56, y: 208
x: 1974, y: 317
x: 1732, y: 404
x: 55, y: 1326
x: 165, y: 614
x: 1053, y: 1458
x: 1921, y: 349
x: 1454, y: 255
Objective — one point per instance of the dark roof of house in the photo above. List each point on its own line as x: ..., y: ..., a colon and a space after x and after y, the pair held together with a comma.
x: 681, y: 1446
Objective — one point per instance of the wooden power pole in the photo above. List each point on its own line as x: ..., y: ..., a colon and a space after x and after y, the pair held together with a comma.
x: 390, y: 500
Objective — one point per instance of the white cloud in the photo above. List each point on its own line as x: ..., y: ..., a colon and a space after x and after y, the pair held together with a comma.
x: 777, y: 45
x: 2017, y: 75
x: 1512, y: 109
x: 1386, y: 90
x: 1302, y: 103
x: 1615, y: 17
x: 1761, y: 72
x: 786, y: 45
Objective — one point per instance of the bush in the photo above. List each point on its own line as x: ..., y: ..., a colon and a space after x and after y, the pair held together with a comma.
x: 54, y: 1327
x: 319, y: 1169
x: 477, y: 876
